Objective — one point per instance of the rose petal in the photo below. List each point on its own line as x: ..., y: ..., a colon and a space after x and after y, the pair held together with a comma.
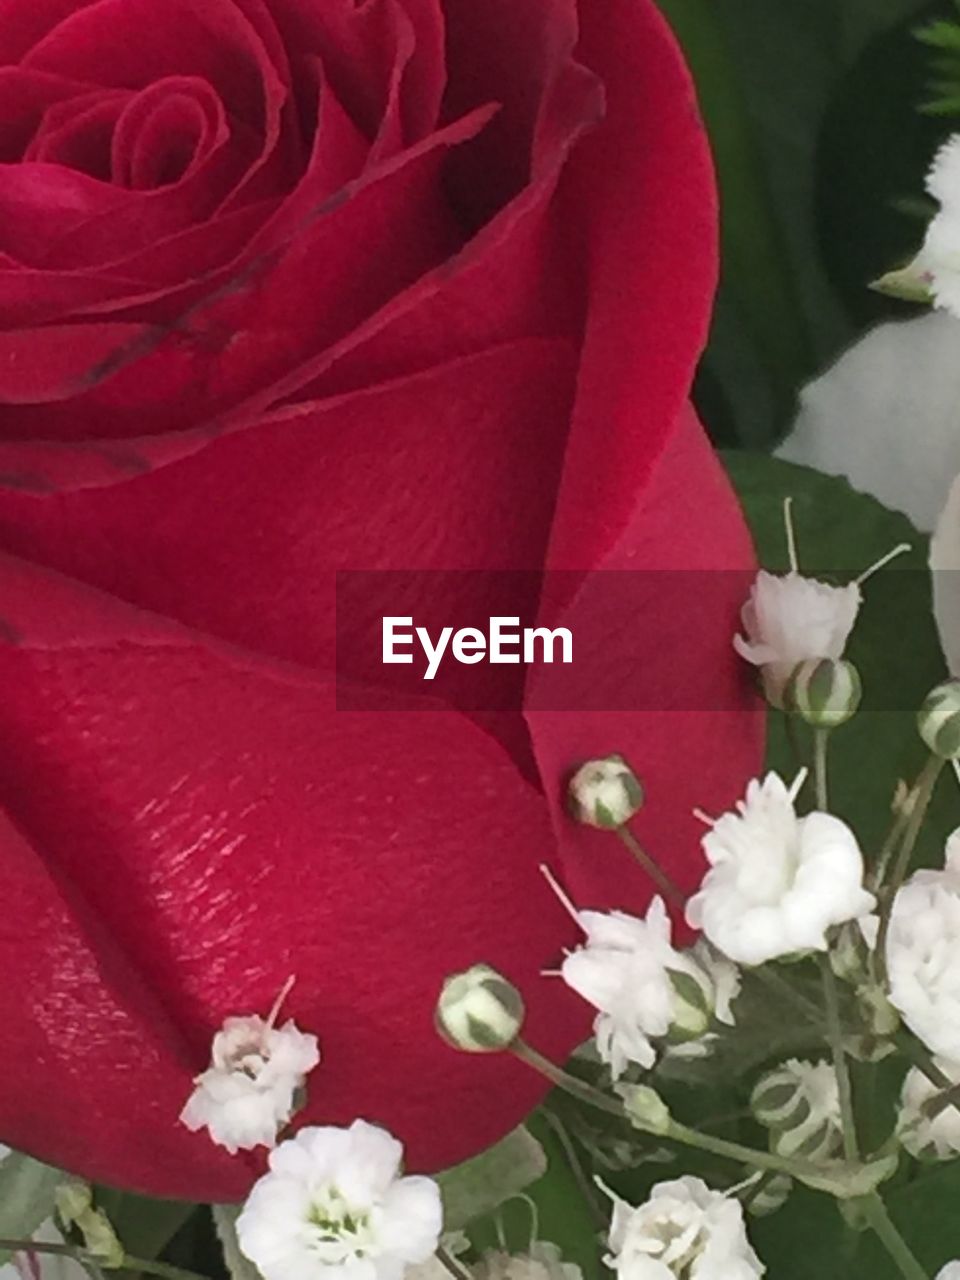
x: 229, y: 829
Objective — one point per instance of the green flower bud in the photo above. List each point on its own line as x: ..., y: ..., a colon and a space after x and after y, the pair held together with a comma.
x: 692, y: 1009
x: 72, y: 1200
x: 779, y: 1102
x: 604, y: 793
x: 75, y: 1208
x: 824, y: 692
x: 848, y: 955
x: 939, y: 720
x: 645, y: 1108
x: 799, y: 1104
x: 479, y: 1011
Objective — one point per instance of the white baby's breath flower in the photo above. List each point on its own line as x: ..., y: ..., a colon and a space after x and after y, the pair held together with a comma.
x: 250, y: 1090
x: 928, y: 1136
x: 791, y: 619
x: 643, y: 987
x: 684, y: 1231
x: 777, y: 882
x: 950, y: 1272
x: 334, y: 1202
x: 921, y: 955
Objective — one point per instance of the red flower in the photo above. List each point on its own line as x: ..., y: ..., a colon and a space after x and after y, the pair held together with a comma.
x: 287, y: 287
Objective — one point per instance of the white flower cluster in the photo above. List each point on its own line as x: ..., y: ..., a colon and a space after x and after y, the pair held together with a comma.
x: 334, y: 1201
x: 643, y: 988
x: 685, y: 1231
x: 791, y: 619
x: 777, y: 882
x: 923, y: 945
x: 252, y: 1086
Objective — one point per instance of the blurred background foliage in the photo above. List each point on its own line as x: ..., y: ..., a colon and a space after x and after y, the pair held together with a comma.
x: 815, y: 110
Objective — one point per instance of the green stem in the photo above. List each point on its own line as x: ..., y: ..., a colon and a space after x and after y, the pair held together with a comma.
x: 766, y: 1160
x: 923, y: 793
x: 568, y: 1083
x: 851, y: 1147
x: 894, y: 1243
x: 821, y: 739
x: 458, y: 1271
x: 894, y: 835
x: 676, y: 1131
x: 586, y: 1187
x: 670, y: 890
x: 145, y: 1265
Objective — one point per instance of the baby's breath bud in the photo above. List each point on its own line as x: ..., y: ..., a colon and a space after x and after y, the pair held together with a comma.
x: 772, y: 1195
x: 72, y: 1200
x: 645, y: 1108
x: 848, y: 954
x: 479, y: 1011
x: 692, y: 1008
x: 778, y: 1101
x: 75, y: 1208
x: 799, y: 1104
x: 825, y: 692
x: 939, y: 720
x: 604, y: 793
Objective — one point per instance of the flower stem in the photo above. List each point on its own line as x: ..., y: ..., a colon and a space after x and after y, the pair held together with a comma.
x: 894, y: 1243
x: 144, y: 1265
x: 821, y: 739
x: 676, y: 1131
x: 455, y: 1268
x: 851, y: 1147
x: 923, y: 793
x: 563, y: 1080
x: 670, y: 890
x: 585, y: 1186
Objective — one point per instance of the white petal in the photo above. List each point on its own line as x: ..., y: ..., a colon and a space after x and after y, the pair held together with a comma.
x: 886, y: 416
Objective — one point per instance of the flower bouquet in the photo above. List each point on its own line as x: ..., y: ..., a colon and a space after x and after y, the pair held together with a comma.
x: 466, y: 807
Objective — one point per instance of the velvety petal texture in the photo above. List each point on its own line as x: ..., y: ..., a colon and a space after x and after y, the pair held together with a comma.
x: 288, y: 289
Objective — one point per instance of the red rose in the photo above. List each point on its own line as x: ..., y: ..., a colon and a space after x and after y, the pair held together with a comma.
x: 287, y: 287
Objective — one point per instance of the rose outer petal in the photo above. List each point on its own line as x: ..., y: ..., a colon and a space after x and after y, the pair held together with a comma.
x: 220, y: 829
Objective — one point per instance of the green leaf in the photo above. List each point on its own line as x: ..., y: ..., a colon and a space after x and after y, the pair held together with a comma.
x: 480, y: 1185
x: 767, y: 72
x: 145, y: 1225
x: 27, y: 1190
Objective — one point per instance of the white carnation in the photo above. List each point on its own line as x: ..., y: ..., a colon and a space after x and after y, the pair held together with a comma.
x: 633, y: 976
x: 923, y: 944
x: 334, y: 1203
x: 777, y: 882
x: 249, y: 1092
x: 684, y: 1231
x: 789, y: 619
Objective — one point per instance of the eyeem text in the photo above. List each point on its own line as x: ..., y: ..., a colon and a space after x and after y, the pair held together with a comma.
x: 504, y: 641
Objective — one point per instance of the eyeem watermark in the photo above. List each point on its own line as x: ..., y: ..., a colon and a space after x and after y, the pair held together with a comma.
x: 505, y: 642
